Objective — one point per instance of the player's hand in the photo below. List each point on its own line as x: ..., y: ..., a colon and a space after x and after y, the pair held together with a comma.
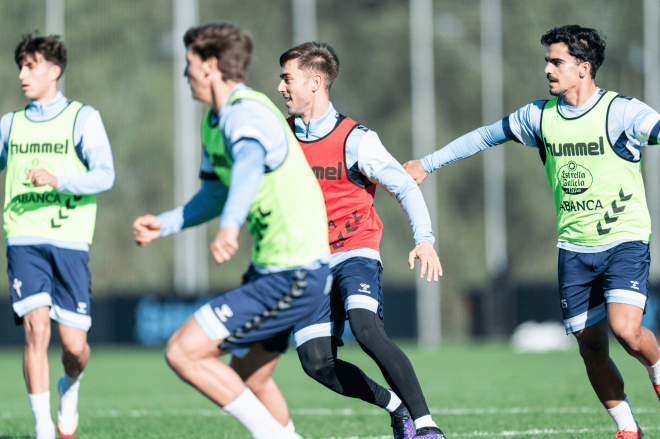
x: 224, y: 245
x: 416, y: 170
x: 429, y: 259
x: 41, y: 177
x: 146, y: 229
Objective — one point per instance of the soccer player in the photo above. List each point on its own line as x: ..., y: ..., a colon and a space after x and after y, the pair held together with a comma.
x: 589, y: 141
x: 253, y: 168
x: 57, y: 156
x: 349, y: 162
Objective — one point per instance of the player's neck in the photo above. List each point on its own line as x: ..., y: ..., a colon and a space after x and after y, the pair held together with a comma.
x: 221, y: 91
x: 579, y: 95
x: 48, y: 95
x: 317, y: 109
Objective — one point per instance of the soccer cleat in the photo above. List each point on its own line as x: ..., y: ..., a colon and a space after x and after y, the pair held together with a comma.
x: 67, y: 413
x: 625, y: 434
x: 434, y: 433
x: 656, y: 387
x: 402, y: 423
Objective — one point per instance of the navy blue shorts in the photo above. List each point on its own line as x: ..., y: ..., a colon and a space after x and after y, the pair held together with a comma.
x: 264, y: 309
x: 45, y: 275
x: 587, y: 281
x: 356, y: 283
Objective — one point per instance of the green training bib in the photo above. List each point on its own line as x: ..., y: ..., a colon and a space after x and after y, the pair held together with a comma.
x: 287, y: 219
x: 43, y: 211
x: 599, y: 195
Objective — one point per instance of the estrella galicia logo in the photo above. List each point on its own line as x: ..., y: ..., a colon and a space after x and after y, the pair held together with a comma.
x: 574, y: 178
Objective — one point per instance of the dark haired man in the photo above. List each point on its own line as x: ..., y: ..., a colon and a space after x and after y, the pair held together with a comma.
x: 589, y: 141
x: 57, y: 156
x: 253, y: 168
x: 349, y: 161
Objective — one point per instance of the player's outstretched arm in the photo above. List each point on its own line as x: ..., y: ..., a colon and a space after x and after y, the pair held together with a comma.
x: 426, y: 254
x: 463, y: 147
x: 225, y: 245
x: 146, y: 229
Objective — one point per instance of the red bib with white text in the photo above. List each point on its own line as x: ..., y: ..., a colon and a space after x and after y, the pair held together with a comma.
x: 349, y: 195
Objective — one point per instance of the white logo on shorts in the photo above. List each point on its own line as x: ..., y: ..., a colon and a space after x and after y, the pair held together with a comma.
x: 563, y: 303
x: 223, y: 313
x: 365, y: 289
x: 634, y: 284
x: 82, y: 308
x: 17, y: 286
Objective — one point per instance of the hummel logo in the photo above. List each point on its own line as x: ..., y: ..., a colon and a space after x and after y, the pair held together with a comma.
x: 17, y: 286
x: 365, y: 289
x: 82, y: 308
x: 634, y: 284
x: 223, y: 312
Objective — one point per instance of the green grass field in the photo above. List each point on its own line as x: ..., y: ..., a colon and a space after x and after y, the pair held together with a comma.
x: 473, y: 391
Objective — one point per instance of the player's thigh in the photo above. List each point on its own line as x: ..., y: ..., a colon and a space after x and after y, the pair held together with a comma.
x: 71, y: 288
x: 30, y: 278
x: 191, y: 342
x: 625, y: 279
x: 359, y: 281
x: 581, y: 291
x: 257, y: 366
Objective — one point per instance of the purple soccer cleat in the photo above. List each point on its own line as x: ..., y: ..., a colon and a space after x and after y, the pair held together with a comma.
x: 430, y: 433
x: 402, y: 423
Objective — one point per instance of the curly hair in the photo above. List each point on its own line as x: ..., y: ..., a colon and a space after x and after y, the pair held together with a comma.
x: 50, y: 47
x: 314, y: 57
x: 231, y: 46
x: 585, y: 44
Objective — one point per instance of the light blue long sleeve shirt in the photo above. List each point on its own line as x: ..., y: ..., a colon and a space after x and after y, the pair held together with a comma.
x: 631, y: 122
x: 365, y: 153
x: 256, y: 141
x: 93, y: 147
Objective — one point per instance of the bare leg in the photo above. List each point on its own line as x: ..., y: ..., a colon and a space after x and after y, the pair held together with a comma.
x: 638, y: 341
x: 75, y: 350
x: 35, y: 357
x: 193, y: 357
x: 601, y: 370
x: 256, y: 370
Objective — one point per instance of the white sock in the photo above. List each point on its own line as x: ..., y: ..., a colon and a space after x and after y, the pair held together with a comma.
x: 255, y: 417
x: 394, y: 403
x: 623, y: 416
x: 68, y: 410
x: 425, y: 421
x: 40, y: 404
x: 290, y: 427
x: 654, y: 373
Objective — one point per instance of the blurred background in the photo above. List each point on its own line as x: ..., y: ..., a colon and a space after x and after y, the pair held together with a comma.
x: 485, y: 61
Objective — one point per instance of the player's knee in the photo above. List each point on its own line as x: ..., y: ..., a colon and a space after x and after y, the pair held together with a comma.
x: 75, y: 350
x: 590, y: 348
x: 37, y: 332
x: 316, y: 365
x: 174, y: 354
x: 628, y: 335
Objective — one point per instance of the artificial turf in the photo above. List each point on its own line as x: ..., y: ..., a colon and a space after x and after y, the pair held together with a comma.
x: 473, y: 390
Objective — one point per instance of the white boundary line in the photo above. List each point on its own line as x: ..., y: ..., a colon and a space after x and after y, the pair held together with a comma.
x: 144, y: 413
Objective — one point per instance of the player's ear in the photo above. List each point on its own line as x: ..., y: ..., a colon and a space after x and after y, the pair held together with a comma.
x: 317, y: 83
x: 54, y: 72
x: 210, y: 65
x: 584, y: 69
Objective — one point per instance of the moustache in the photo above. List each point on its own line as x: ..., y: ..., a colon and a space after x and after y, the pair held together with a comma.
x: 552, y: 78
